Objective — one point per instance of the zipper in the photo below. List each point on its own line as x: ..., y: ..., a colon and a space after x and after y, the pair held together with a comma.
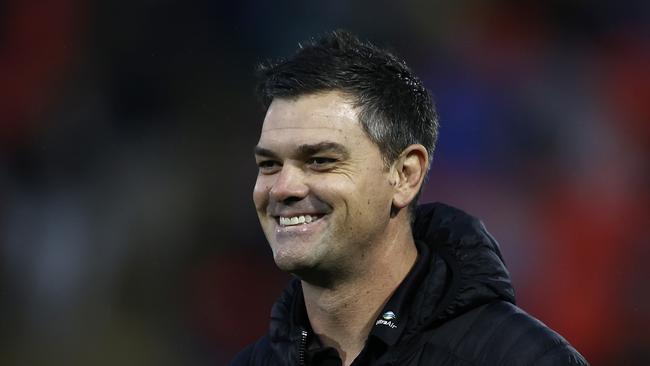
x: 302, y: 346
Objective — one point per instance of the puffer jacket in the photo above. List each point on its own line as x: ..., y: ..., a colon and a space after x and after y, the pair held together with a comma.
x: 463, y: 312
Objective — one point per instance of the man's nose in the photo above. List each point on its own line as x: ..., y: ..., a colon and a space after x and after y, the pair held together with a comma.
x: 290, y: 184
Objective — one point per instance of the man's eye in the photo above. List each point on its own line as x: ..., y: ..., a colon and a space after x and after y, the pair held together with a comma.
x: 268, y: 165
x: 320, y: 161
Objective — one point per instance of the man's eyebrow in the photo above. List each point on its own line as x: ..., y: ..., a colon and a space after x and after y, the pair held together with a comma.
x: 307, y: 150
x: 326, y: 146
x: 260, y: 151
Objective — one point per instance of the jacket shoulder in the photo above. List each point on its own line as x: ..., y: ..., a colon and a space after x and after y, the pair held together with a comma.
x: 500, y: 333
x: 256, y: 353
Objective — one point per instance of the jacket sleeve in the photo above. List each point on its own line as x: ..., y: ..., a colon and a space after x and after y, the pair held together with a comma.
x: 562, y: 356
x: 508, y: 336
x: 243, y: 357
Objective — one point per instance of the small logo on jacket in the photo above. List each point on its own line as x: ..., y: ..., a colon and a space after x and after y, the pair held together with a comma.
x: 387, y: 319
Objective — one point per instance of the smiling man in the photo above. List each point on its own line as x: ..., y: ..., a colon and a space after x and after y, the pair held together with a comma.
x: 343, y: 153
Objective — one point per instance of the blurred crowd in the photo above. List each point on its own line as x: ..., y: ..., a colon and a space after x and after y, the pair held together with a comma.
x: 127, y: 230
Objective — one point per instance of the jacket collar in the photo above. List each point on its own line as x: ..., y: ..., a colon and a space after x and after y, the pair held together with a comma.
x: 468, y: 261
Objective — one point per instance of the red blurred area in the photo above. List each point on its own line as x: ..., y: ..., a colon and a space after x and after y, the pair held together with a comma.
x: 39, y: 44
x: 229, y: 304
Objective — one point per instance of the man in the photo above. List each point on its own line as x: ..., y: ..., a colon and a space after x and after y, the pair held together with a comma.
x: 343, y: 153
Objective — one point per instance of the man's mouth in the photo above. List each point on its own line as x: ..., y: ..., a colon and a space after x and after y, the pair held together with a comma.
x: 297, y: 220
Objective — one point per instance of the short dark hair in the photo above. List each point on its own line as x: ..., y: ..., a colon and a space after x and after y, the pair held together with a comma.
x: 395, y: 109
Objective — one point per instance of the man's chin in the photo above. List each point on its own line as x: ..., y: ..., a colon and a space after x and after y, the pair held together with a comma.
x: 293, y: 265
x: 308, y: 270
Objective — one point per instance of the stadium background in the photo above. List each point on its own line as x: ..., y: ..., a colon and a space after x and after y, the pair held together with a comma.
x: 127, y: 230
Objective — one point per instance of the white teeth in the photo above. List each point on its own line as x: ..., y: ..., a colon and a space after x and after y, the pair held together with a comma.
x: 295, y: 220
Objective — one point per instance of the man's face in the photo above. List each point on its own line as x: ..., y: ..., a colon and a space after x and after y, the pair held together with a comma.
x: 322, y: 193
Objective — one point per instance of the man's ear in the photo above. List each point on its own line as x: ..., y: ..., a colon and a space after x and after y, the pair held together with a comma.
x: 409, y: 170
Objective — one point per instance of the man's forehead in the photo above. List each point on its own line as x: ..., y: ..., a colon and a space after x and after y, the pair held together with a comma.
x: 323, y: 111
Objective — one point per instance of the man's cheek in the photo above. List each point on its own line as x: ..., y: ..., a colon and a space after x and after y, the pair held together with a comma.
x: 260, y: 195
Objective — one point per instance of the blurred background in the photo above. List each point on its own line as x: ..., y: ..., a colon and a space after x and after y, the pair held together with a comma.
x: 127, y: 229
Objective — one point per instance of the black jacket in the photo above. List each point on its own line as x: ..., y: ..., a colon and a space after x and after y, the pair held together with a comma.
x: 461, y: 312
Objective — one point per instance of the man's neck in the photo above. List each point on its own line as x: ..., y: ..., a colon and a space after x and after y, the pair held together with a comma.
x: 342, y: 315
